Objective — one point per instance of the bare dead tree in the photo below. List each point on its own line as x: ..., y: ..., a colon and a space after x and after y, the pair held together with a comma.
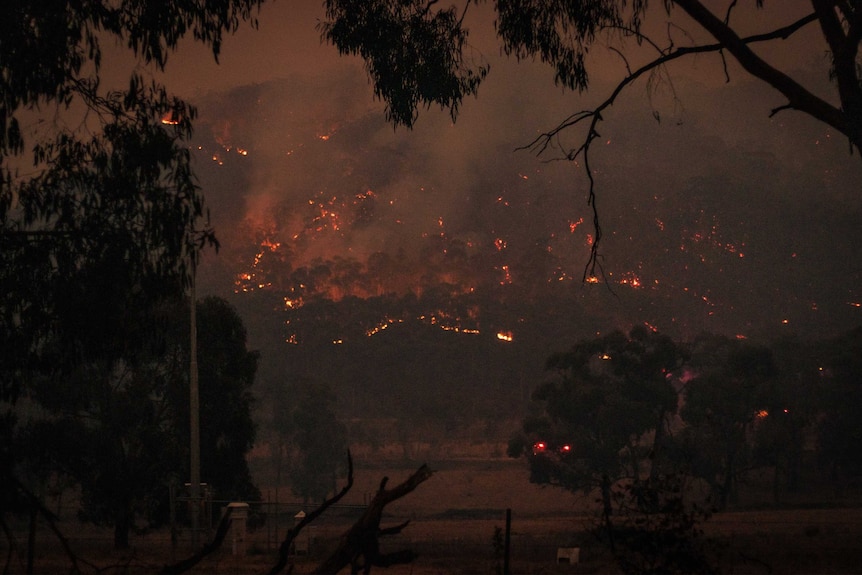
x: 290, y: 537
x: 360, y: 545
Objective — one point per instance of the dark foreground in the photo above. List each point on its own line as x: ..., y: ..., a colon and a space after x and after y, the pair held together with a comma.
x: 453, y: 521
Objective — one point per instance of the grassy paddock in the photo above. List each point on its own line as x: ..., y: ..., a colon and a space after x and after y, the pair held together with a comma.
x: 453, y: 519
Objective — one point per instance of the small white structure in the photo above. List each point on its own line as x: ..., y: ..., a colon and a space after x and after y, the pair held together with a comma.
x: 570, y: 555
x: 238, y: 527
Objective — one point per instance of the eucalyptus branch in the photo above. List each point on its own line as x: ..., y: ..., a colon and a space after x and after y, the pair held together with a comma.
x: 94, y: 101
x: 542, y: 142
x: 729, y: 10
x: 428, y: 7
x: 463, y: 13
x: 798, y: 96
x: 638, y: 35
x: 622, y: 56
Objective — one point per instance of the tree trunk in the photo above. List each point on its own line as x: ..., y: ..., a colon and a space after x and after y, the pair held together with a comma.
x: 607, y: 510
x: 794, y: 461
x: 361, y: 541
x: 655, y: 456
x: 729, y: 487
x: 776, y: 482
x: 31, y: 539
x: 122, y: 525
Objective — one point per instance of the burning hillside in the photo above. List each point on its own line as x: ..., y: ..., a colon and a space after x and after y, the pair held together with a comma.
x: 329, y: 205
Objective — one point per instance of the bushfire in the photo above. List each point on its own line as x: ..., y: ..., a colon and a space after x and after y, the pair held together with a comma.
x: 508, y: 239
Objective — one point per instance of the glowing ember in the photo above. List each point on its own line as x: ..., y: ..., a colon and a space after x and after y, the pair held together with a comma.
x: 505, y: 336
x: 380, y: 327
x: 446, y: 322
x: 630, y: 279
x: 255, y: 278
x: 337, y: 222
x: 292, y: 303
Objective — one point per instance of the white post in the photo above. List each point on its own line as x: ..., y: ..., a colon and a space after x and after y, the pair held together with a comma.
x: 238, y: 527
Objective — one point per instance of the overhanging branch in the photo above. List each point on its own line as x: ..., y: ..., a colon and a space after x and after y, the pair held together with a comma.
x: 798, y: 96
x: 592, y: 117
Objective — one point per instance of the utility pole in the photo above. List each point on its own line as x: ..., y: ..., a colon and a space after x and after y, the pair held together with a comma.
x: 194, y: 414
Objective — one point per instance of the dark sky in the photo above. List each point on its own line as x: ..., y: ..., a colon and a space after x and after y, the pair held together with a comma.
x: 733, y: 221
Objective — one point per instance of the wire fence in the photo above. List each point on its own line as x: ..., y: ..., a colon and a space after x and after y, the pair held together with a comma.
x: 452, y: 538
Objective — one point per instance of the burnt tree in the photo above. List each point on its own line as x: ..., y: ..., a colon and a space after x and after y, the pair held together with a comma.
x: 360, y: 545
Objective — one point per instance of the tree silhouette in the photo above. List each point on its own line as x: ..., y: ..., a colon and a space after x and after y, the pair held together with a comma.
x: 227, y: 370
x: 604, y: 397
x: 840, y: 428
x: 117, y: 428
x: 603, y: 425
x: 722, y: 404
x: 311, y: 436
x: 100, y: 215
x: 793, y: 404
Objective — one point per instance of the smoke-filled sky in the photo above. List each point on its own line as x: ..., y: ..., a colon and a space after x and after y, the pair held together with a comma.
x: 715, y: 215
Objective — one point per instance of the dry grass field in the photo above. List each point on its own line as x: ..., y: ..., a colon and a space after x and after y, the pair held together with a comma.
x: 453, y: 519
